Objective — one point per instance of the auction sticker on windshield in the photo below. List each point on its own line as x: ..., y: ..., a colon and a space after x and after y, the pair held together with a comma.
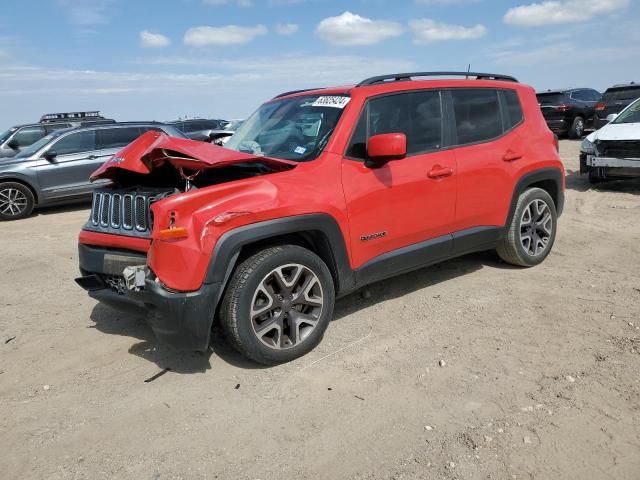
x: 334, y: 102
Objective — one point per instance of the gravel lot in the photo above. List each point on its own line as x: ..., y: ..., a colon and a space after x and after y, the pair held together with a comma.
x: 540, y: 375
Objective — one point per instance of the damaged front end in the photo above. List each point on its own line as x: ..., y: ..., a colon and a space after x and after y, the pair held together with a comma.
x: 150, y: 233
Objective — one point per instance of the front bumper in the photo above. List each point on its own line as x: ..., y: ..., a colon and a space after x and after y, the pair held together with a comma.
x: 182, y: 320
x: 595, y: 161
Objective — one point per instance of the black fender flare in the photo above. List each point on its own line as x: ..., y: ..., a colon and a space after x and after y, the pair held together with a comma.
x: 532, y: 178
x: 229, y: 245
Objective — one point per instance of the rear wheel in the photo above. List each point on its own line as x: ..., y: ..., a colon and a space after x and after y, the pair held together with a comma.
x: 278, y: 304
x: 577, y: 128
x: 16, y: 201
x: 532, y: 231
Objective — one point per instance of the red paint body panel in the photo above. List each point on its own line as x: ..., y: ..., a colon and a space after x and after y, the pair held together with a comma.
x: 114, y: 241
x: 413, y: 199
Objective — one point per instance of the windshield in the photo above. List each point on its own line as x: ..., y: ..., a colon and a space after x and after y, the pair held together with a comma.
x: 631, y: 114
x: 7, y: 134
x: 33, y: 148
x: 296, y: 128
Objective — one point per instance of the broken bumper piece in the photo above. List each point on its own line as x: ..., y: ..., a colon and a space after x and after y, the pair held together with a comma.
x: 180, y: 319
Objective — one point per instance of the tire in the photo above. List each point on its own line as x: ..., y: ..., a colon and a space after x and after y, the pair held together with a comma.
x: 258, y: 323
x: 577, y: 128
x: 16, y: 201
x: 539, y: 232
x: 596, y: 176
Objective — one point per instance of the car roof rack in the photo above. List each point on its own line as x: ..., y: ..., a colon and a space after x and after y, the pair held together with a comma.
x: 403, y: 77
x: 56, y: 117
x: 293, y: 92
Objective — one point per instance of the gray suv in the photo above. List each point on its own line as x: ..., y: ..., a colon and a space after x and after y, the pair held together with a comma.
x: 19, y: 137
x: 56, y: 168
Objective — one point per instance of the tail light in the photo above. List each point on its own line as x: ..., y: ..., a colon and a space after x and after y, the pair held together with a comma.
x: 600, y: 106
x: 563, y: 108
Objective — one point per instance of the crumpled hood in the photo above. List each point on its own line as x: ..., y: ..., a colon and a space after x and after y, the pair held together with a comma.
x: 616, y: 131
x: 154, y: 148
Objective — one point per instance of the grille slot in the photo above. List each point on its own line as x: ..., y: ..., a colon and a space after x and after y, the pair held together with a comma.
x: 123, y: 212
x: 141, y: 213
x: 620, y: 149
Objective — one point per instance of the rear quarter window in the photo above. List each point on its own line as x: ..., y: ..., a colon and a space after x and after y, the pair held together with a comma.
x: 514, y: 114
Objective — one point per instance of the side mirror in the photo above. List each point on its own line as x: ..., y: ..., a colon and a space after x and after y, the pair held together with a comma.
x: 612, y: 117
x: 384, y: 148
x: 50, y: 155
x: 13, y: 144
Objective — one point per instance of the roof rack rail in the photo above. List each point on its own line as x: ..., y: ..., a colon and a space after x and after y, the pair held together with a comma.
x: 54, y: 117
x: 400, y: 77
x: 292, y: 92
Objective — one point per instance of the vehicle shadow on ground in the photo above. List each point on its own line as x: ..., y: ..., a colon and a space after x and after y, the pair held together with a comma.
x: 56, y: 209
x: 580, y: 183
x: 114, y: 322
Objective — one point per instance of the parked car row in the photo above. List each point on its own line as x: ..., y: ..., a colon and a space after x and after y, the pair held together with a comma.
x: 56, y: 168
x: 573, y: 111
x: 613, y: 152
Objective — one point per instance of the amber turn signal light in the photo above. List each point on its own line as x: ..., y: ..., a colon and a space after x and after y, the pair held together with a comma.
x: 173, y: 233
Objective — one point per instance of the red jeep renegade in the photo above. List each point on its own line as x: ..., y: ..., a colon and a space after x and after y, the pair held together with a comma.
x: 319, y: 193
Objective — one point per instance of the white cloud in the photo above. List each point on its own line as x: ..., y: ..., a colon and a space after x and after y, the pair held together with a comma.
x: 287, y: 28
x: 87, y: 12
x: 560, y: 11
x: 428, y: 31
x: 240, y: 3
x: 350, y: 29
x: 228, y: 35
x: 153, y: 40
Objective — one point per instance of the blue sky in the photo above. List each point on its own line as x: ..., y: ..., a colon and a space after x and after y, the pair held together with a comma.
x: 160, y: 59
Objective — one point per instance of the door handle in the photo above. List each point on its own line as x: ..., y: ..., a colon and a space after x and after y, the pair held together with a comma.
x: 512, y: 156
x: 440, y: 172
x: 92, y: 157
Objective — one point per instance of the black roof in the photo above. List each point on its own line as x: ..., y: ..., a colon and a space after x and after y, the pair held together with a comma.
x: 624, y: 85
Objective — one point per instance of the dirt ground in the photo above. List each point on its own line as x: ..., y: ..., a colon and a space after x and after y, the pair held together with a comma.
x: 540, y: 380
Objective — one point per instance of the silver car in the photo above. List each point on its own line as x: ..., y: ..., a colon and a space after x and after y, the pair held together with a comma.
x: 56, y: 168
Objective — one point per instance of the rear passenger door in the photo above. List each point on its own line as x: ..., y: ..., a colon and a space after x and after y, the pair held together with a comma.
x: 406, y: 201
x: 485, y: 124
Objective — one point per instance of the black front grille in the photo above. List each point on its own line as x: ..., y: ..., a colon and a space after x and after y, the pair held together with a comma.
x: 619, y: 149
x: 123, y: 212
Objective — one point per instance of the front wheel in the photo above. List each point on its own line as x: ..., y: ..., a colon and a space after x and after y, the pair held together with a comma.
x: 278, y: 304
x: 532, y: 231
x: 16, y: 201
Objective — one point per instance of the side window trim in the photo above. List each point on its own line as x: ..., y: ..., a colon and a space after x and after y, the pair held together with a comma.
x: 444, y: 115
x: 52, y: 147
x: 502, y: 116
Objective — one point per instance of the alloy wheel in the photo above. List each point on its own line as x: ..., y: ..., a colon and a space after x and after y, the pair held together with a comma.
x: 286, y: 306
x: 580, y: 128
x: 12, y: 202
x: 536, y: 227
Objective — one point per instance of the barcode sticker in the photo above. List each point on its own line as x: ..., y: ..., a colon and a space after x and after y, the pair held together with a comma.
x: 331, y: 101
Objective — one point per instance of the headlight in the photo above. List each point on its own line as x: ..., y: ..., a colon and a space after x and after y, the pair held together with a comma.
x: 587, y: 147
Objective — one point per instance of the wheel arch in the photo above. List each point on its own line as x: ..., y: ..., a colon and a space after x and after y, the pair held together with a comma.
x: 548, y: 179
x: 319, y: 233
x: 22, y: 181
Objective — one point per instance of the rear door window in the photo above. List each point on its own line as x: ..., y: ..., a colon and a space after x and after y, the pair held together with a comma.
x: 477, y: 115
x: 76, y: 142
x: 109, y: 138
x: 28, y: 135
